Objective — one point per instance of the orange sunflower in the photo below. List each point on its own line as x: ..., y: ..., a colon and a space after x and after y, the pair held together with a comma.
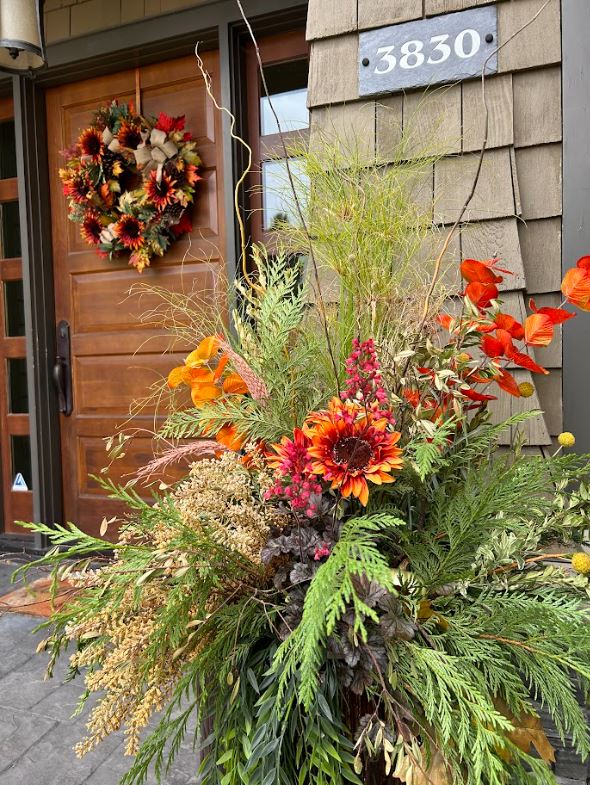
x: 351, y: 446
x: 160, y: 192
x: 91, y: 228
x: 129, y: 230
x: 90, y: 144
x: 129, y: 135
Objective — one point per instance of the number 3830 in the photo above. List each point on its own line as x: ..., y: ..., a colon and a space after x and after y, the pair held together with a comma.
x: 414, y: 53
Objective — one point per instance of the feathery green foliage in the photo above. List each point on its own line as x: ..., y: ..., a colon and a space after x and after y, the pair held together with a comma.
x: 331, y: 594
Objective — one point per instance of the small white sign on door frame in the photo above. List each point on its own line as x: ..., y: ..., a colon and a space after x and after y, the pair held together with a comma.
x: 19, y: 483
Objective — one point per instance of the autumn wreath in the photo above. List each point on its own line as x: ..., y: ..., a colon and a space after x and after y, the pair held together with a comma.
x: 129, y: 181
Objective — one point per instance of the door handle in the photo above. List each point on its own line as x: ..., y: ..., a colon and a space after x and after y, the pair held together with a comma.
x: 62, y: 370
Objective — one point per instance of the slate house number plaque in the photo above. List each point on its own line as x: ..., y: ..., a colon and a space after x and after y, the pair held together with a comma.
x: 428, y: 51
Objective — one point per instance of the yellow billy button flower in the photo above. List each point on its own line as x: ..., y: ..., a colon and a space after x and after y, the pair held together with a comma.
x: 566, y: 439
x: 526, y: 389
x: 581, y: 563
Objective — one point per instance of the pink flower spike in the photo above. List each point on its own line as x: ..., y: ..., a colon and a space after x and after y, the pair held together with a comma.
x: 321, y: 551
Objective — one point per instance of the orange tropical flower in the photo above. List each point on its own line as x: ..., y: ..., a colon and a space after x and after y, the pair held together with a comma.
x: 576, y: 285
x: 538, y: 330
x: 229, y: 436
x: 204, y: 352
x: 507, y: 382
x: 482, y: 272
x: 481, y: 294
x: 351, y: 447
x: 205, y: 383
x: 234, y: 384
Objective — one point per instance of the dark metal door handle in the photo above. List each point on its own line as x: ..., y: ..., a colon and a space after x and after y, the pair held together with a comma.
x: 59, y: 381
x: 62, y: 370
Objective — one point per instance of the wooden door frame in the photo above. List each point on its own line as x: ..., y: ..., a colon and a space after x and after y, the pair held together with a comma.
x: 216, y: 25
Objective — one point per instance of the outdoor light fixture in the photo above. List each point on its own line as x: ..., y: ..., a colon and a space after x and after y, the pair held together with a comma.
x: 21, y: 36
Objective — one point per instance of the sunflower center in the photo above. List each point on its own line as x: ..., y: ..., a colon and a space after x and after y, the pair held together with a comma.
x: 131, y: 138
x: 131, y: 229
x: 353, y: 452
x: 163, y: 188
x: 92, y: 144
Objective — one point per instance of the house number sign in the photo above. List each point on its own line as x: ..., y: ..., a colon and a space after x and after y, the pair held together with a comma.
x: 428, y: 51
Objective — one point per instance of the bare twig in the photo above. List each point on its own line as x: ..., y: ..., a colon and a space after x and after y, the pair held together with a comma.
x: 301, y: 217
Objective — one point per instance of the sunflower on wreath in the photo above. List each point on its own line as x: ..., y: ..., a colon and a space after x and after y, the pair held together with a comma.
x: 129, y: 181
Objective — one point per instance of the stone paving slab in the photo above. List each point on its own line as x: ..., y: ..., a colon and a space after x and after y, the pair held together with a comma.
x: 37, y: 733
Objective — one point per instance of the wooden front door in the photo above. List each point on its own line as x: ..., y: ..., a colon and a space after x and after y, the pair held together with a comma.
x: 116, y: 356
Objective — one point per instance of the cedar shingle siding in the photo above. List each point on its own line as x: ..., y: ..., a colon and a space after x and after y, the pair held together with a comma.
x: 516, y: 210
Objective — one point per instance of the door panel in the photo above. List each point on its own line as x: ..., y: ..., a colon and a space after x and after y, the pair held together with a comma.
x: 115, y: 355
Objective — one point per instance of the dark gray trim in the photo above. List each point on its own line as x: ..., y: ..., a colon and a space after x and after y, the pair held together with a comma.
x: 157, y: 38
x: 576, y: 209
x: 35, y: 218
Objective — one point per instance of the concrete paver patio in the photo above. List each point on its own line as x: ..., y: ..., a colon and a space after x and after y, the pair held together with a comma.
x: 37, y: 732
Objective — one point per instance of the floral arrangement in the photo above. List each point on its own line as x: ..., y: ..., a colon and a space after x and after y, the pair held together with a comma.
x: 345, y: 587
x: 130, y: 181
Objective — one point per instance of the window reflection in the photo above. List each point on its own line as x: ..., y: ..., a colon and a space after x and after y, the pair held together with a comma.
x: 287, y: 85
x: 14, y: 309
x: 10, y: 235
x: 277, y: 195
x: 7, y: 150
x: 18, y: 395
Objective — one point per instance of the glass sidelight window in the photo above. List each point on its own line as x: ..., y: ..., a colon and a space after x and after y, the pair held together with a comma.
x: 10, y: 221
x: 14, y: 309
x: 287, y: 87
x: 285, y: 63
x: 278, y: 204
x: 15, y: 446
x: 7, y: 150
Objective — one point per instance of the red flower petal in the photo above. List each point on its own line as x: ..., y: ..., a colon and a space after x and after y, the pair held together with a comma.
x: 507, y: 382
x: 445, y: 320
x: 576, y: 287
x: 506, y: 322
x: 492, y: 346
x: 524, y: 361
x: 557, y: 315
x: 472, y: 270
x: 481, y: 294
x: 476, y: 396
x: 538, y: 330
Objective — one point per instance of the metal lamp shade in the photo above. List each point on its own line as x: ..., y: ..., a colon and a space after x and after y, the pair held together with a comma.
x: 21, y: 36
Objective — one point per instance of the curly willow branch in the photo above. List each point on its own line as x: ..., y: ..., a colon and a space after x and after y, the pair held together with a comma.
x: 245, y: 173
